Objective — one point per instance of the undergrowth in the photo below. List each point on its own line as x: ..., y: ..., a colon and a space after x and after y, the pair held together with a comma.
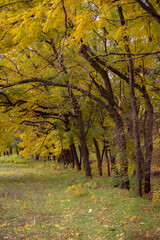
x: 16, y: 159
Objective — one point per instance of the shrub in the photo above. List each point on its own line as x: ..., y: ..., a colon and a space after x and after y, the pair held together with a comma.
x: 77, y: 190
x: 17, y: 159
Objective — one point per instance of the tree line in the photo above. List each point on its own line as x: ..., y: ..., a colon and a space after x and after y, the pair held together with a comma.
x: 82, y: 77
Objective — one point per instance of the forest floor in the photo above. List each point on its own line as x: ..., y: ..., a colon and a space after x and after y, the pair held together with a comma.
x: 46, y: 203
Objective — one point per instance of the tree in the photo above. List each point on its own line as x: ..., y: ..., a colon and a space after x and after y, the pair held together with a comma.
x: 93, y: 48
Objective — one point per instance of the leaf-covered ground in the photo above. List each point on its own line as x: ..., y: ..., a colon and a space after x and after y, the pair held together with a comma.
x: 43, y: 203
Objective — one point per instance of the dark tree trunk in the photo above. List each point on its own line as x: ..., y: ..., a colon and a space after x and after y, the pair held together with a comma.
x: 17, y: 150
x: 65, y: 157
x: 122, y: 148
x: 138, y: 151
x: 72, y: 157
x: 148, y: 139
x: 146, y: 163
x: 37, y: 156
x: 10, y: 150
x: 84, y: 149
x: 113, y: 164
x: 74, y: 154
x: 147, y: 6
x: 80, y: 155
x: 107, y: 160
x: 108, y: 95
x: 99, y: 160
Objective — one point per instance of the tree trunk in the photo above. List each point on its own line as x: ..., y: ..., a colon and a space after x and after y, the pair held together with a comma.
x: 10, y: 150
x: 122, y: 148
x: 84, y: 149
x: 147, y: 6
x: 37, y: 156
x: 17, y: 150
x: 80, y: 155
x: 74, y: 153
x: 99, y: 160
x: 107, y: 160
x: 148, y: 147
x: 113, y: 164
x: 138, y: 151
x: 107, y: 94
x: 72, y: 157
x: 148, y: 140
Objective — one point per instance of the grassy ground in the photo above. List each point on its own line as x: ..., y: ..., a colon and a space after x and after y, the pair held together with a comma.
x: 45, y: 203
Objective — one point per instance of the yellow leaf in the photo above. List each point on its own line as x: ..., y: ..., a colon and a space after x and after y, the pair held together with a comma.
x: 26, y: 226
x: 3, y: 225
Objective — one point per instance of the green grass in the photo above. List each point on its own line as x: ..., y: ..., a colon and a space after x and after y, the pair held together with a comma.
x: 38, y: 202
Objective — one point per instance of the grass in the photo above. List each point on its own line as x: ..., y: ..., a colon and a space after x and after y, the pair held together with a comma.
x: 38, y: 202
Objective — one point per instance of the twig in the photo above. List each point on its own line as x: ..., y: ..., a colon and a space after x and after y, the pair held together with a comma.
x: 129, y: 19
x: 124, y: 60
x: 125, y: 53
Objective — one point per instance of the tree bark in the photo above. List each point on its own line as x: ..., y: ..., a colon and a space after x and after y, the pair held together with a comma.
x: 37, y: 156
x: 84, y: 149
x: 10, y: 150
x: 107, y: 160
x: 148, y: 146
x: 147, y: 6
x: 138, y: 151
x: 74, y: 153
x: 99, y: 160
x: 80, y: 155
x: 107, y: 94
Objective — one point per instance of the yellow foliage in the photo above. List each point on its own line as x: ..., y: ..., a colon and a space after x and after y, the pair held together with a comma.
x: 39, y: 38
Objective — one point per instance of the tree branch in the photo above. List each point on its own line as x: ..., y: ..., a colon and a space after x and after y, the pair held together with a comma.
x: 24, y: 1
x: 8, y: 100
x: 125, y: 53
x: 147, y: 6
x: 55, y: 84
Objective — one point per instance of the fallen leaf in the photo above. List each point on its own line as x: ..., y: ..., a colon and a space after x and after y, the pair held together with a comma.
x: 3, y: 225
x: 133, y: 219
x: 26, y: 226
